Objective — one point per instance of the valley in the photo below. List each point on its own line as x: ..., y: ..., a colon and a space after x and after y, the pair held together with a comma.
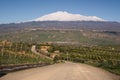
x: 32, y: 44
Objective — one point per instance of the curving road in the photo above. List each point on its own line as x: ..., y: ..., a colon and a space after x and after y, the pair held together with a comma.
x: 62, y: 71
x: 33, y: 49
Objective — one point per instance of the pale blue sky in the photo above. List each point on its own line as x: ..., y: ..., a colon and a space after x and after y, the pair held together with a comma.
x: 24, y: 10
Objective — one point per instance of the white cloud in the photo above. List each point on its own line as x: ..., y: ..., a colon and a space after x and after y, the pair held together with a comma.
x: 65, y: 16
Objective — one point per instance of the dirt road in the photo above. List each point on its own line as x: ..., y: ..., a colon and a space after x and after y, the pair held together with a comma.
x: 62, y: 71
x: 33, y: 49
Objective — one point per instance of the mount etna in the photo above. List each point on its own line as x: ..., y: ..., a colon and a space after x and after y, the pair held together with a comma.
x: 63, y: 27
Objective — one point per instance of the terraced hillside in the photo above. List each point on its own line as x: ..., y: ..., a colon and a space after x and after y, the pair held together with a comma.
x: 82, y: 32
x: 64, y: 36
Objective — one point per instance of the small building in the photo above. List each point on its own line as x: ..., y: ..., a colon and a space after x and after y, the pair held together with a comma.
x: 44, y: 49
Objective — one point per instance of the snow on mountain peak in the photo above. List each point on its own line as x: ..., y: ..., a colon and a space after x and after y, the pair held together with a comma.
x: 65, y: 16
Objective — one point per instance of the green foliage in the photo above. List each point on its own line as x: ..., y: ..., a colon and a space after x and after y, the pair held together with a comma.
x: 85, y: 37
x: 18, y: 53
x: 107, y: 57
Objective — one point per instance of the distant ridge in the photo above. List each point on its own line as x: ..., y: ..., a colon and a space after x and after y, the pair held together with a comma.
x: 65, y: 16
x: 85, y: 32
x: 79, y: 25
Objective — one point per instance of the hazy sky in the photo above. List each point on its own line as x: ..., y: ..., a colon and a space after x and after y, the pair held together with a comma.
x: 24, y: 10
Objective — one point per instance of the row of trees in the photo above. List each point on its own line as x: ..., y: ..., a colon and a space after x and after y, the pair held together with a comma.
x: 102, y: 56
x: 18, y: 53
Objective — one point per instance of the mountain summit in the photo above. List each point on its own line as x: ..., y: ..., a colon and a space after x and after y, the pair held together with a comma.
x: 65, y: 16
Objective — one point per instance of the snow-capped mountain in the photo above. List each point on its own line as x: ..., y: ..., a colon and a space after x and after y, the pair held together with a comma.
x: 65, y: 16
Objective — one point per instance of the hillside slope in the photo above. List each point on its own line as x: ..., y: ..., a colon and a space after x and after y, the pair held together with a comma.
x: 86, y: 32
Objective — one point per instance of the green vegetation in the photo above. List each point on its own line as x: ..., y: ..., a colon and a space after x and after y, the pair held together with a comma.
x: 18, y: 53
x: 85, y: 37
x: 107, y: 57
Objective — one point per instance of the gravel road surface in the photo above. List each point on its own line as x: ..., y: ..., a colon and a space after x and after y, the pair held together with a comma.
x: 62, y: 71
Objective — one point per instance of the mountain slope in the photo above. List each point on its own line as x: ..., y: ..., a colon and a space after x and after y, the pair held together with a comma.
x: 85, y: 25
x: 86, y: 32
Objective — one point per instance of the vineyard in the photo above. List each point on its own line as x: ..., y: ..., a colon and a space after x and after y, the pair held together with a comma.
x: 107, y: 57
x: 18, y: 53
